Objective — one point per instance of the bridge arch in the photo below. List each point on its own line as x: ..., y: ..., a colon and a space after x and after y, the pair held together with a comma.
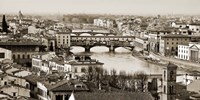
x: 85, y: 34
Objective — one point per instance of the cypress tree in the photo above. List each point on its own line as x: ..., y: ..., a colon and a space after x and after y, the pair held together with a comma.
x: 4, y: 25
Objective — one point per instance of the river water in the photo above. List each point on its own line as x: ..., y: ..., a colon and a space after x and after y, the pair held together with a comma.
x: 120, y: 60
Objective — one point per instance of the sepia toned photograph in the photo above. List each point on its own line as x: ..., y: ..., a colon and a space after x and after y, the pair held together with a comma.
x: 99, y: 50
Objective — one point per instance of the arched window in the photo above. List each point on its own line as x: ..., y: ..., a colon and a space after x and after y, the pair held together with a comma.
x: 164, y: 90
x: 23, y: 56
x: 18, y: 56
x: 13, y: 56
x: 28, y: 56
x: 171, y: 75
x: 164, y: 75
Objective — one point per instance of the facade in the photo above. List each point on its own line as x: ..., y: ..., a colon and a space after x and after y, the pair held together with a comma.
x: 40, y: 61
x: 195, y: 27
x: 169, y: 82
x: 63, y: 39
x: 194, y: 51
x: 169, y: 43
x: 82, y: 64
x: 14, y: 86
x: 58, y: 26
x: 183, y: 52
x: 5, y: 54
x: 106, y: 23
x: 63, y: 92
x: 22, y: 50
x: 32, y: 30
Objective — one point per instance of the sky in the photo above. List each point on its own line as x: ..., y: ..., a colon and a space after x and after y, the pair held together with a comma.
x: 189, y: 7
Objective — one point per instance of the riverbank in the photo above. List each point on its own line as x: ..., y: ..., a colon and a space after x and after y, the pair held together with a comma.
x: 185, y: 66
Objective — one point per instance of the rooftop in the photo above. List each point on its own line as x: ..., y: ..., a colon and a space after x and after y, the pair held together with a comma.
x: 113, y: 96
x: 175, y: 36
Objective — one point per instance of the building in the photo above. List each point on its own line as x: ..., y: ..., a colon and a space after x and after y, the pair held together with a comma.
x: 40, y: 61
x: 82, y: 64
x: 63, y: 39
x: 169, y: 44
x: 106, y: 23
x: 195, y: 27
x: 194, y: 51
x: 23, y: 49
x: 59, y: 26
x: 169, y: 82
x: 183, y: 52
x: 63, y: 90
x: 14, y: 85
x: 5, y: 54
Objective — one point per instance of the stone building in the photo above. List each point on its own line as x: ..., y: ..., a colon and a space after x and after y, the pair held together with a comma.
x: 169, y: 44
x: 169, y: 82
x: 63, y: 39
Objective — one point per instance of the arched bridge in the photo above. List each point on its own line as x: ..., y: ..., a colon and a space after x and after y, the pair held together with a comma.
x: 111, y: 42
x: 93, y: 32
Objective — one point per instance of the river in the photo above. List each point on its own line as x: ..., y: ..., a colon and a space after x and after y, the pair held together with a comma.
x: 120, y: 60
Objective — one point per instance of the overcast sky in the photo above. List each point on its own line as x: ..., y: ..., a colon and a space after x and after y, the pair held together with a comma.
x: 102, y: 6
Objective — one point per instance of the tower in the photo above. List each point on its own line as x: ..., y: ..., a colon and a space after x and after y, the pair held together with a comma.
x: 4, y: 25
x: 20, y: 17
x: 169, y: 82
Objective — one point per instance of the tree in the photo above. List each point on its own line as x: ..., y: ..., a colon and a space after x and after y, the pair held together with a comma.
x: 142, y: 79
x: 4, y: 25
x: 113, y: 80
x: 122, y: 80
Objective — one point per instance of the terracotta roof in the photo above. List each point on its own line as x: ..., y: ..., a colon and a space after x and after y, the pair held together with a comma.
x: 34, y: 79
x: 113, y: 96
x: 69, y: 86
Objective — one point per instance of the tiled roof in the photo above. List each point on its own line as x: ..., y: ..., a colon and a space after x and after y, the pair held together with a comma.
x: 113, y: 96
x: 34, y: 79
x: 69, y: 86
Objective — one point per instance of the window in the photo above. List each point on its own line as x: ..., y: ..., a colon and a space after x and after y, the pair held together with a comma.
x: 28, y: 56
x: 18, y: 56
x: 164, y: 89
x: 171, y: 88
x: 23, y: 56
x: 164, y: 75
x: 167, y: 42
x: 14, y: 94
x: 2, y: 55
x: 171, y: 75
x: 172, y: 42
x: 83, y: 70
x: 13, y: 56
x: 75, y: 70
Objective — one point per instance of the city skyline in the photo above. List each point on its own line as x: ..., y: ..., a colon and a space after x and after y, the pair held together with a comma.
x: 143, y: 7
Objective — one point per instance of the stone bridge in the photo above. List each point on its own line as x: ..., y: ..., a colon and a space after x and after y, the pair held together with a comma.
x: 111, y: 42
x: 93, y: 32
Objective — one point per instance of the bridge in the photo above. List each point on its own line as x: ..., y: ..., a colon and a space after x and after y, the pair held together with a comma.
x: 92, y: 32
x: 112, y: 42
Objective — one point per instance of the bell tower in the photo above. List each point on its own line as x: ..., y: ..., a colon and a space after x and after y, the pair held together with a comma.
x: 169, y: 82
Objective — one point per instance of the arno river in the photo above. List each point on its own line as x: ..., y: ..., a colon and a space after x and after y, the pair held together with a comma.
x: 121, y: 60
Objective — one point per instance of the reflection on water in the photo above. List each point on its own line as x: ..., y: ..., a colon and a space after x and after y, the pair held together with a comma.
x: 121, y: 60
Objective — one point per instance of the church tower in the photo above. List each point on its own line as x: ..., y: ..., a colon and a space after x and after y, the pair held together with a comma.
x: 169, y: 82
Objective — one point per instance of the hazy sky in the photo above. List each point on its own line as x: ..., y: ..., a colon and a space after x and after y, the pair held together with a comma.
x: 102, y: 6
